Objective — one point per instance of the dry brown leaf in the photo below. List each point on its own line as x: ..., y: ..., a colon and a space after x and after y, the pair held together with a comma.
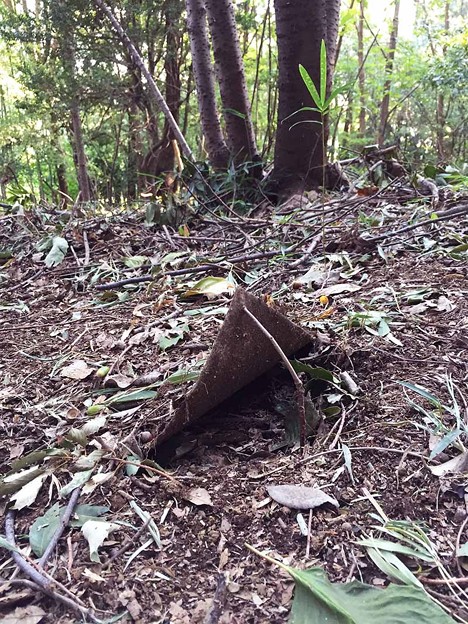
x: 455, y: 465
x: 199, y: 496
x: 299, y: 496
x: 76, y: 370
x: 31, y: 614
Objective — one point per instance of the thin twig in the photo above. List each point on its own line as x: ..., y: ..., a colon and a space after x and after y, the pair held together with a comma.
x: 86, y: 246
x: 65, y: 519
x: 297, y: 382
x: 216, y: 608
x: 443, y: 216
x: 128, y: 543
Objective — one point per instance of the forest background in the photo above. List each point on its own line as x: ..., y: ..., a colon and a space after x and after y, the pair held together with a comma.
x: 41, y: 89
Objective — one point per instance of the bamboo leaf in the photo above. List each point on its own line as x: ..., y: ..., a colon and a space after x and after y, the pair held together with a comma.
x: 323, y: 74
x: 311, y: 88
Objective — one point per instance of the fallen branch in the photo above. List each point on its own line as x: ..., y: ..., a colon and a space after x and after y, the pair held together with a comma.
x: 40, y: 578
x: 65, y: 519
x: 442, y: 216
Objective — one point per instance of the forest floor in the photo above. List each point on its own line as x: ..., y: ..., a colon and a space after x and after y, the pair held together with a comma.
x: 383, y: 311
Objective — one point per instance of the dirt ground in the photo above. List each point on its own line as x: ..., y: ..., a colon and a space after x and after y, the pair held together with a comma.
x: 206, y: 488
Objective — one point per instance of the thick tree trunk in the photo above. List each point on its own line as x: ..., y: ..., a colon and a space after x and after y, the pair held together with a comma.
x: 231, y: 78
x: 299, y: 152
x: 218, y: 153
x: 79, y: 152
x: 385, y: 105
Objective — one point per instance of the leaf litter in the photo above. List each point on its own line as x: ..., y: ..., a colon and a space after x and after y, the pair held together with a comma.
x: 379, y: 316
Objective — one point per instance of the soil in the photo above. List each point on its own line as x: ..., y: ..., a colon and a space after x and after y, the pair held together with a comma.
x: 206, y: 489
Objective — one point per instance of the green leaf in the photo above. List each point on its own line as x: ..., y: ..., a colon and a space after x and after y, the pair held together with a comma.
x: 165, y: 342
x: 316, y: 601
x: 323, y: 73
x: 4, y: 543
x: 182, y: 376
x: 311, y: 88
x: 211, y: 287
x: 446, y: 441
x: 314, y: 372
x: 136, y: 395
x: 335, y: 93
x: 14, y: 481
x: 393, y: 567
x: 43, y: 528
x: 395, y: 547
x: 422, y: 392
x: 79, y: 479
x: 85, y: 512
x: 135, y: 262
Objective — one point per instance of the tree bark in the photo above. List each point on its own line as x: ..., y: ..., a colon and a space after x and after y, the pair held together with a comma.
x: 61, y: 173
x: 231, y: 78
x: 216, y: 147
x: 362, y: 73
x: 440, y: 113
x: 385, y: 104
x: 299, y: 152
x: 79, y: 152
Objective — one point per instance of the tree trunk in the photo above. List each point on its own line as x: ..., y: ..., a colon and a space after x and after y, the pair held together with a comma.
x: 155, y: 92
x: 218, y: 153
x: 362, y: 73
x: 299, y: 151
x: 79, y: 152
x: 61, y: 174
x: 385, y: 105
x: 440, y: 112
x: 231, y: 78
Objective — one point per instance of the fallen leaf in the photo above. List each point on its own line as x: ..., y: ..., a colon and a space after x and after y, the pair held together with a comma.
x: 211, y: 287
x: 455, y: 465
x: 299, y: 496
x: 28, y: 493
x: 93, y: 577
x: 76, y: 370
x: 119, y: 380
x: 444, y: 304
x: 31, y: 614
x: 95, y: 533
x: 199, y: 496
x: 337, y: 289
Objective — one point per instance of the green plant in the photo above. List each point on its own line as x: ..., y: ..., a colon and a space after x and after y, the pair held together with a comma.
x: 318, y: 93
x: 448, y: 433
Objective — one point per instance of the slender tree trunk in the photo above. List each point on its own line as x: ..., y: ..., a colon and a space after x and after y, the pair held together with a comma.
x: 231, y: 78
x: 155, y: 92
x: 341, y: 37
x: 332, y: 22
x: 61, y: 174
x: 385, y: 104
x: 68, y: 50
x: 362, y: 73
x: 440, y: 113
x: 79, y: 151
x: 300, y: 139
x: 218, y: 152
